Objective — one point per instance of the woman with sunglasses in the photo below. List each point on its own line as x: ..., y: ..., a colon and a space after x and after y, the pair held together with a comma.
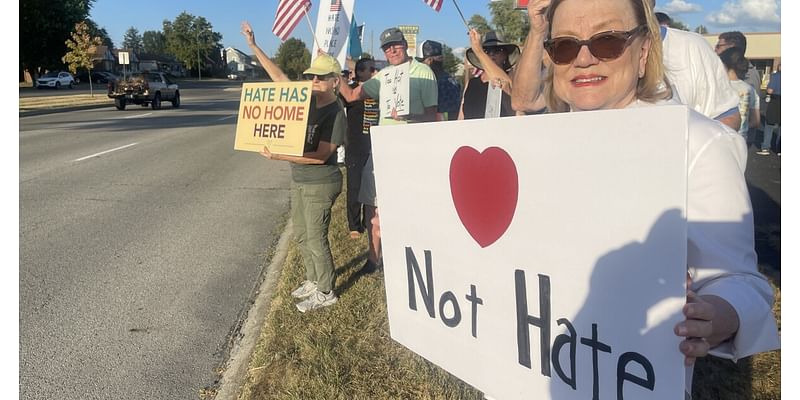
x: 317, y: 180
x: 497, y: 59
x: 606, y: 54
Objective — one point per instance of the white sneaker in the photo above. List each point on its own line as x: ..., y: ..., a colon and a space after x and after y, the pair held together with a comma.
x: 305, y: 289
x: 317, y: 300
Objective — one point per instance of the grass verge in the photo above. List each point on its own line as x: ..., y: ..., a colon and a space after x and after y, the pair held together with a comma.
x: 45, y: 102
x: 345, y: 351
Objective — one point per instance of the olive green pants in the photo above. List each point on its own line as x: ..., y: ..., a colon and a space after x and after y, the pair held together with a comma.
x: 311, y: 217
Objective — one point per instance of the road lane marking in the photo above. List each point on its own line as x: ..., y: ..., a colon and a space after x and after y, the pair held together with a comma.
x: 107, y: 151
x: 137, y: 116
x: 228, y: 117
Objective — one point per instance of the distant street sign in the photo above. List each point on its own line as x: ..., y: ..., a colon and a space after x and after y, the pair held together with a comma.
x: 123, y: 58
x: 522, y: 4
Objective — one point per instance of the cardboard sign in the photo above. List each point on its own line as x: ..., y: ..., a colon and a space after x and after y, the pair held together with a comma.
x: 494, y: 97
x: 274, y: 115
x: 530, y: 273
x: 395, y: 87
x: 333, y: 28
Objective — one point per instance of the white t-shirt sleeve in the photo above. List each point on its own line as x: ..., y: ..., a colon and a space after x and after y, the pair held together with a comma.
x: 697, y: 74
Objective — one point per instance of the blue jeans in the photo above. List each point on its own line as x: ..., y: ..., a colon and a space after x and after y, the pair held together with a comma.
x: 767, y: 143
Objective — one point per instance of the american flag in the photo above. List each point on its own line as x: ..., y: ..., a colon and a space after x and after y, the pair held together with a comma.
x: 435, y: 4
x: 336, y: 5
x: 288, y: 15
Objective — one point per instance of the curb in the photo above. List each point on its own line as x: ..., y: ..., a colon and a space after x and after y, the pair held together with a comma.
x: 45, y: 111
x: 235, y: 370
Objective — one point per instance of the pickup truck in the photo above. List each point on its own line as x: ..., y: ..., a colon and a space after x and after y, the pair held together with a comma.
x: 144, y: 88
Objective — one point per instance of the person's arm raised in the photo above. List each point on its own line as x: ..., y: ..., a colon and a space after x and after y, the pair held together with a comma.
x: 496, y: 76
x: 527, y: 94
x: 274, y: 72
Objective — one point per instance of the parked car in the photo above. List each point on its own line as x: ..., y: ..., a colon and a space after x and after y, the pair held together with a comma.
x: 55, y: 80
x: 97, y: 77
x: 236, y: 77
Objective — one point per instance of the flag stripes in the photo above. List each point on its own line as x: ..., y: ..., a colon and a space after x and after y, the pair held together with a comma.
x: 435, y: 4
x: 288, y: 16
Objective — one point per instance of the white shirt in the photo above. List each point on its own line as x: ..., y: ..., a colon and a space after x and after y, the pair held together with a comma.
x: 748, y: 100
x: 696, y: 73
x: 721, y: 253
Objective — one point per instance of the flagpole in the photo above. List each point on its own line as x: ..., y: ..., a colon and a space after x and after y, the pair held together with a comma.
x: 461, y: 14
x: 311, y: 28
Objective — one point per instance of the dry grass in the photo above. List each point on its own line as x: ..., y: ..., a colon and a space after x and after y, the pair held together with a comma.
x: 345, y: 351
x: 44, y: 102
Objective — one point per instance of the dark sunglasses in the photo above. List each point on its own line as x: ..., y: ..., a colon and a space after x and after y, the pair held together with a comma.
x: 494, y: 50
x: 310, y: 77
x: 604, y: 45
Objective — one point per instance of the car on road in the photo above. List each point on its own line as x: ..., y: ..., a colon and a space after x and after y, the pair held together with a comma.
x: 56, y: 80
x: 144, y: 88
x: 97, y: 77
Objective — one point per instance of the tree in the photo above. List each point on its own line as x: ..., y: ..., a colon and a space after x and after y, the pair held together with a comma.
x: 94, y: 30
x: 132, y: 40
x: 191, y: 39
x: 293, y: 58
x: 480, y: 24
x: 512, y: 24
x: 154, y: 42
x: 450, y: 62
x: 44, y: 26
x: 82, y: 47
x: 675, y: 24
x: 701, y: 29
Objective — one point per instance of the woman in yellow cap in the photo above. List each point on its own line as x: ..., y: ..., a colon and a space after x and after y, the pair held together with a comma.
x: 317, y: 180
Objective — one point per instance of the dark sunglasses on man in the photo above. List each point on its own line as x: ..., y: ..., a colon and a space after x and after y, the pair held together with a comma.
x: 606, y: 46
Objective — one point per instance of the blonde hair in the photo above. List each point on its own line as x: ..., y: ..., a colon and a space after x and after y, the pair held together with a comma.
x: 651, y: 87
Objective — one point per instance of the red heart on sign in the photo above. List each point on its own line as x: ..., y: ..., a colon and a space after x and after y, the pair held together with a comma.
x: 485, y: 187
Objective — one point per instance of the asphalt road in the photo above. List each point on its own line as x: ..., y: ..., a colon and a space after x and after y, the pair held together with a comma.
x: 143, y: 236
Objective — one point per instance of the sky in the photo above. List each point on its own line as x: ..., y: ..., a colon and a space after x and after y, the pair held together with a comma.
x: 445, y: 26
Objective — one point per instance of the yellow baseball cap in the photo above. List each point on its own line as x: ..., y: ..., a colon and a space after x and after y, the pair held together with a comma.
x: 324, y: 64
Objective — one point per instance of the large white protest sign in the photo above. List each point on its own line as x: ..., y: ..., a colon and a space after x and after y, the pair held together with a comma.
x: 530, y: 273
x: 395, y: 89
x: 333, y: 28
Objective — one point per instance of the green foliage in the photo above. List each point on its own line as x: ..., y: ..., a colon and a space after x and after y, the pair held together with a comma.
x: 450, y: 63
x: 82, y: 47
x: 480, y: 24
x: 133, y: 41
x: 44, y: 26
x: 293, y: 58
x: 701, y: 29
x: 511, y: 23
x: 94, y: 30
x: 190, y: 39
x: 367, y: 56
x: 675, y: 24
x: 154, y: 42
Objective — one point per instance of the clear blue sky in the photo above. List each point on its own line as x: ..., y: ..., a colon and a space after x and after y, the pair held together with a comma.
x: 446, y: 26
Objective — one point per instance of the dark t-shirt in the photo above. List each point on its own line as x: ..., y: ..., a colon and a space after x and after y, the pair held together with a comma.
x: 475, y: 100
x: 361, y: 115
x: 327, y: 124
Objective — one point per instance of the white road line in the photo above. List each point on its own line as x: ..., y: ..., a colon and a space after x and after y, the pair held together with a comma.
x: 107, y: 151
x: 137, y: 116
x: 228, y: 117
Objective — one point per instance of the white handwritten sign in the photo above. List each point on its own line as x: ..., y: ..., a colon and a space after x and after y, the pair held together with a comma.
x: 534, y: 274
x: 494, y: 97
x: 394, y: 94
x: 333, y: 28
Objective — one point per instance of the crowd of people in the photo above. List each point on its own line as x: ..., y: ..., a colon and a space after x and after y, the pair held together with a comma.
x: 578, y: 56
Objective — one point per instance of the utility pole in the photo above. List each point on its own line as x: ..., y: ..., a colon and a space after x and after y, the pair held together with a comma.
x: 199, y: 76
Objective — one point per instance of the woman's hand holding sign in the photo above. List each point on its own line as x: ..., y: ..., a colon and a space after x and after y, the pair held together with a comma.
x: 710, y: 320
